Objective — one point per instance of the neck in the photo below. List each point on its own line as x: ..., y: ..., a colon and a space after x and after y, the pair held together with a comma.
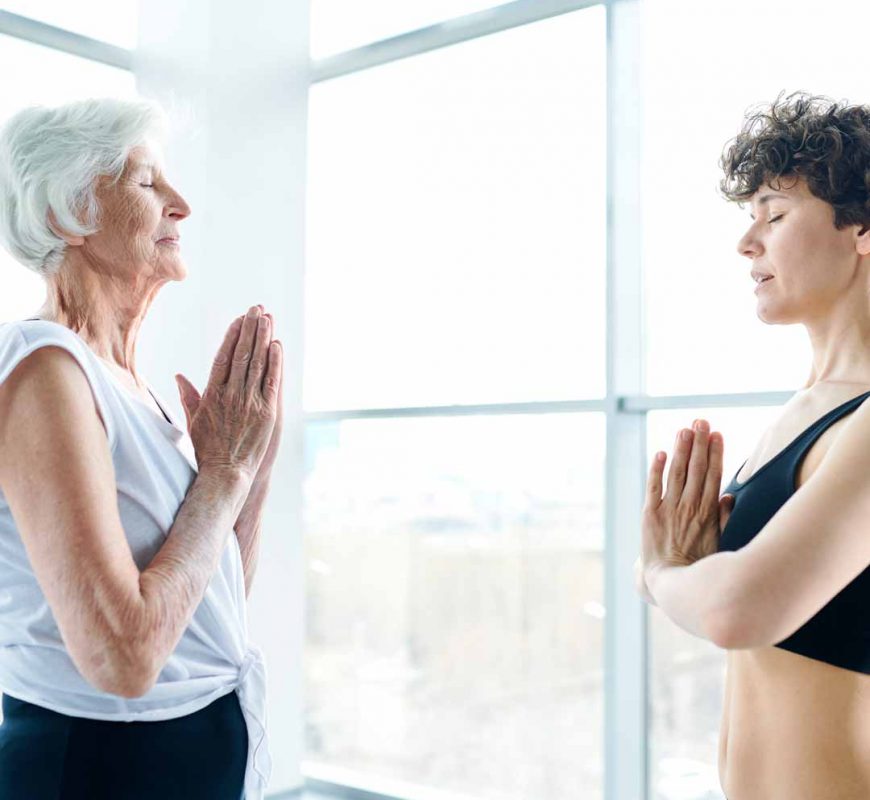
x: 105, y: 312
x: 840, y: 357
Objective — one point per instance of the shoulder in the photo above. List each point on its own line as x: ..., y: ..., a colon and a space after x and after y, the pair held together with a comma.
x: 45, y: 366
x: 20, y: 338
x: 30, y: 334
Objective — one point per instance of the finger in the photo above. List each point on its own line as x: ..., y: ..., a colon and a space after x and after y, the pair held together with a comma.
x: 696, y: 471
x: 272, y: 379
x: 190, y: 396
x: 677, y: 472
x: 220, y: 368
x: 180, y: 381
x: 260, y: 354
x: 713, y: 481
x: 654, y: 480
x: 280, y: 387
x: 242, y: 352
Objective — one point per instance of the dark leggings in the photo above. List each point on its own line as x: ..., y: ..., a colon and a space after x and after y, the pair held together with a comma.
x: 49, y: 756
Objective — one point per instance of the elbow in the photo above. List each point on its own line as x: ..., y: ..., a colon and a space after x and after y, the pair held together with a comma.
x: 125, y: 669
x: 728, y: 630
x: 130, y: 684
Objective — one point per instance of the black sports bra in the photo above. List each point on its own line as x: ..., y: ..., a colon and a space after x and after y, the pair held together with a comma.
x: 839, y: 633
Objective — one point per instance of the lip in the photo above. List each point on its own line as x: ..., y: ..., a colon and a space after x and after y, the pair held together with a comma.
x: 762, y: 283
x: 168, y: 240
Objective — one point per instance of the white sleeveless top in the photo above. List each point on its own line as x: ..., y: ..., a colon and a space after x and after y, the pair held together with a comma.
x: 155, y: 465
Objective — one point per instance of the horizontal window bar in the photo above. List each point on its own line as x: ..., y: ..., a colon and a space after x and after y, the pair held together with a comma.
x: 629, y: 404
x: 37, y: 32
x: 442, y: 34
x: 459, y: 410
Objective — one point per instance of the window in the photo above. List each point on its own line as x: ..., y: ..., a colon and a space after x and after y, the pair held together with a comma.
x: 456, y: 224
x: 454, y: 604
x: 456, y: 255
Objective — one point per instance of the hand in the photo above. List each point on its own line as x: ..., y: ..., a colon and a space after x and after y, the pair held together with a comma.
x: 232, y: 423
x: 685, y: 525
x: 190, y: 400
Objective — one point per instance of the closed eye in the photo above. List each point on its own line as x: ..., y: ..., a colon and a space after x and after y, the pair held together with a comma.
x: 774, y: 219
x: 147, y: 185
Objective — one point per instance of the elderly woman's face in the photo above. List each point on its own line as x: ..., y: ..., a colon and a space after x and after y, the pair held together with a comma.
x: 139, y: 216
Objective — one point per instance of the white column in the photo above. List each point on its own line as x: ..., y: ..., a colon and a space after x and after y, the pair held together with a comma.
x: 235, y: 77
x: 625, y: 658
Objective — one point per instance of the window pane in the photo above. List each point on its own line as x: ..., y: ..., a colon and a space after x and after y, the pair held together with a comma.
x: 687, y: 673
x: 455, y: 604
x: 456, y: 224
x: 50, y: 78
x: 338, y: 25
x: 114, y: 22
x: 703, y: 333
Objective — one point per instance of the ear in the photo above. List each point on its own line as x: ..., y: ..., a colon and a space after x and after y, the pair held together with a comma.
x: 72, y: 241
x: 862, y: 240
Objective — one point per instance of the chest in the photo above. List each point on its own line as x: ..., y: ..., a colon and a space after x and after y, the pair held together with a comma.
x: 140, y: 393
x: 785, y: 431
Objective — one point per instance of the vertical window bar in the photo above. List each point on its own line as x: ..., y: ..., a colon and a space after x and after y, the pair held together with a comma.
x: 625, y: 646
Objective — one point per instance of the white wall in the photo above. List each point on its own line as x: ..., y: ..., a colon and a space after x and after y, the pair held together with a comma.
x: 235, y: 76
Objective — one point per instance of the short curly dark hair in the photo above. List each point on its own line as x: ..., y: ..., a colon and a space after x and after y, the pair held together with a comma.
x: 825, y: 142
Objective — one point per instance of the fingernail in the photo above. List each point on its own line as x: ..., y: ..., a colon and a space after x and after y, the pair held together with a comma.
x: 687, y: 435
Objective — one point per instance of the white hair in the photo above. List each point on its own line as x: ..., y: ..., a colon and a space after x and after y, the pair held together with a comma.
x: 49, y: 161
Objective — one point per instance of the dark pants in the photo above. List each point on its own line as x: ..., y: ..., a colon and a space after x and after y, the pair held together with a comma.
x: 49, y: 756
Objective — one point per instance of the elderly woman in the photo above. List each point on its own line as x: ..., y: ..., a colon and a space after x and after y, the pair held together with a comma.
x: 782, y: 579
x: 127, y: 544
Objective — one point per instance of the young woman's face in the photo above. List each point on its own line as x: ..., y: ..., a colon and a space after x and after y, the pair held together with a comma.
x: 792, y: 237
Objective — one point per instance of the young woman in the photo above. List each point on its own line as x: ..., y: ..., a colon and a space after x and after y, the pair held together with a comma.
x: 777, y: 569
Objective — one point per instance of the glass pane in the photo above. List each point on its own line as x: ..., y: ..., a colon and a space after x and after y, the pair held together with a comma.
x: 49, y: 78
x: 115, y: 22
x: 455, y: 604
x: 338, y: 25
x: 695, y: 280
x: 687, y: 673
x: 456, y: 224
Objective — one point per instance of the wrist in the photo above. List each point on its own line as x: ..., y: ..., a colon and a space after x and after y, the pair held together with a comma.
x: 231, y: 479
x: 653, y: 572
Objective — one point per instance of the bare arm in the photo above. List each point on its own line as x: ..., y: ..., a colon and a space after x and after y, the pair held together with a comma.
x: 248, y: 527
x: 119, y: 625
x: 691, y: 594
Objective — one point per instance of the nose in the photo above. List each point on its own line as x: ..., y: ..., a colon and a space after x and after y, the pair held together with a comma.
x: 748, y: 245
x: 177, y: 207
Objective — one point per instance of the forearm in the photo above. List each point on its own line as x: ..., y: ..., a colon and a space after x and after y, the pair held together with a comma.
x: 248, y: 527
x: 173, y: 584
x: 691, y: 595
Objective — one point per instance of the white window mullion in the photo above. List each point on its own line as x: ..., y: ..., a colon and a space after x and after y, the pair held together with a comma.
x: 625, y: 651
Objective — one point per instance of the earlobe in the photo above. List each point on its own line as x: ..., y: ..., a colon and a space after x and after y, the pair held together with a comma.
x: 72, y: 241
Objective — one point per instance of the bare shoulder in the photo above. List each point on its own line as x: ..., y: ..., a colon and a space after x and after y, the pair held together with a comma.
x: 53, y: 446
x: 50, y: 380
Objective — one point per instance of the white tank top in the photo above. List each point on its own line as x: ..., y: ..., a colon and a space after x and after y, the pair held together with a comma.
x: 155, y: 465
